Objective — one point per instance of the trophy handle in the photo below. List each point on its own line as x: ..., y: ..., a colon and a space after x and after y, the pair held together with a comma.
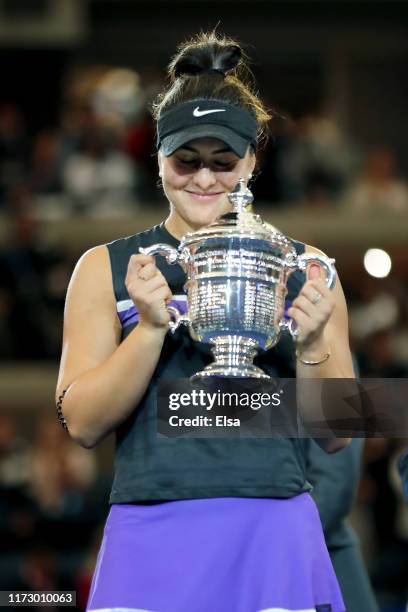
x: 171, y: 254
x: 178, y: 319
x: 303, y: 260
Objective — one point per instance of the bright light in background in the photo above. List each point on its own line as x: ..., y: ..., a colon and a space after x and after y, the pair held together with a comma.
x: 119, y: 93
x: 377, y: 263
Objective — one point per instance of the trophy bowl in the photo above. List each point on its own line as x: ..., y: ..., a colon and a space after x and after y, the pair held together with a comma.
x: 237, y: 271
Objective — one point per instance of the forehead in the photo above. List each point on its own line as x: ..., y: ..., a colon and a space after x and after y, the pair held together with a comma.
x: 208, y: 146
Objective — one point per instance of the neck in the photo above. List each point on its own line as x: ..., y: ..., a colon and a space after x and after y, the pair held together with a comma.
x: 178, y: 227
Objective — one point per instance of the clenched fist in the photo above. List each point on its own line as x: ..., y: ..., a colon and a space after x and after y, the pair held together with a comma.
x: 149, y: 291
x: 312, y: 308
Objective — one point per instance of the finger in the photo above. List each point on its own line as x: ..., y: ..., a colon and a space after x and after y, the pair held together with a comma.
x: 145, y: 259
x: 152, y: 284
x: 140, y: 259
x: 305, y: 304
x: 327, y: 302
x: 141, y: 289
x: 162, y: 293
x: 310, y: 318
x: 312, y: 287
x: 302, y: 320
x: 314, y: 271
x: 313, y: 296
x: 148, y: 271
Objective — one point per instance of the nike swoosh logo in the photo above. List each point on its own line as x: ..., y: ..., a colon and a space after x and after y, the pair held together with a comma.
x: 198, y: 113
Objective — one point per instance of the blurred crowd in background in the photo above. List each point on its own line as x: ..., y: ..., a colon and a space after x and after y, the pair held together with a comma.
x: 98, y: 161
x: 53, y: 498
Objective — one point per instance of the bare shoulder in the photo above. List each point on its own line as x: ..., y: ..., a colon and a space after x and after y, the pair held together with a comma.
x: 91, y: 325
x: 314, y: 250
x: 90, y: 292
x: 92, y: 271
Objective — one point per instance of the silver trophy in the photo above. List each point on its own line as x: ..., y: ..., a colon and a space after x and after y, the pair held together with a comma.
x: 237, y: 271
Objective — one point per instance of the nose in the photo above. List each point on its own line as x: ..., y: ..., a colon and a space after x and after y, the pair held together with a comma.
x: 204, y: 179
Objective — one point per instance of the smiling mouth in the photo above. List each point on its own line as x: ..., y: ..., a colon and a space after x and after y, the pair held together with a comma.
x: 204, y: 196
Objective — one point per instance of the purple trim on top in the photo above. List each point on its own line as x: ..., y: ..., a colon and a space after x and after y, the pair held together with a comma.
x: 131, y: 315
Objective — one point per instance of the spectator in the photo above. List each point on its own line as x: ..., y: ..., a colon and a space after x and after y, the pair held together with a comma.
x: 99, y: 177
x: 33, y: 277
x: 378, y: 189
x: 45, y: 171
x: 309, y: 162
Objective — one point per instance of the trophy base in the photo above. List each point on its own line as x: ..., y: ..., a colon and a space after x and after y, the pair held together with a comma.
x: 233, y: 359
x: 217, y: 370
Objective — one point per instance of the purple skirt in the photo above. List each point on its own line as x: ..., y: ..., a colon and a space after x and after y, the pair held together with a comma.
x: 222, y: 554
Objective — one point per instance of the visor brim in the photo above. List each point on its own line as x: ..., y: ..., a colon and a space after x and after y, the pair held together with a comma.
x: 235, y: 142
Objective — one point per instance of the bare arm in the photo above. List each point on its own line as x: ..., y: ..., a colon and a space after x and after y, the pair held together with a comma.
x: 105, y: 380
x: 324, y: 329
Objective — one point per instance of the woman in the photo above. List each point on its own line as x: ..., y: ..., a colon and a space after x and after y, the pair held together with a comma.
x: 220, y: 525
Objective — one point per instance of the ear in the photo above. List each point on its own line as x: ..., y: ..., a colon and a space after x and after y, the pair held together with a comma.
x: 252, y: 163
x: 251, y: 167
x: 160, y: 162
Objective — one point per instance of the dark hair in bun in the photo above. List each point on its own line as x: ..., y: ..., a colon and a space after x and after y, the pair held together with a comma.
x: 216, y: 67
x: 198, y: 59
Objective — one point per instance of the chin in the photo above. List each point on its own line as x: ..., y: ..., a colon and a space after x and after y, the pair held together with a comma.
x: 206, y: 213
x: 203, y: 220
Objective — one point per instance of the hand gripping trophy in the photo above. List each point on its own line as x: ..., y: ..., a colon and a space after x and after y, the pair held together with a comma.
x: 237, y: 270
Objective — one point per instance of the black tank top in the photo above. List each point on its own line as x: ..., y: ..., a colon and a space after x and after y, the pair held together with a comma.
x: 149, y: 468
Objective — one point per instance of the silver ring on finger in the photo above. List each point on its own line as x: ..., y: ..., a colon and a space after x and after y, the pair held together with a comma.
x: 317, y: 297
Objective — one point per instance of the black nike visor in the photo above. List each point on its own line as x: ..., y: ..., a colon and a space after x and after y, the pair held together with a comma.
x: 207, y: 118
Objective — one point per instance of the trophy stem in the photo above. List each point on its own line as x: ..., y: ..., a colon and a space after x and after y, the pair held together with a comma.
x: 234, y: 357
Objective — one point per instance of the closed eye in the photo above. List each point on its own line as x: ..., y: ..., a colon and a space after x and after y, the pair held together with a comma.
x: 216, y: 165
x: 225, y: 166
x: 188, y: 163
